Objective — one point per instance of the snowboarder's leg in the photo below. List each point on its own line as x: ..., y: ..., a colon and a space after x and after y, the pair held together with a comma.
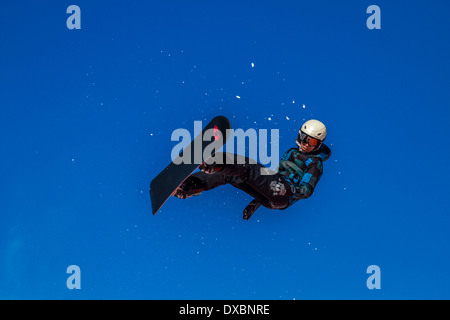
x: 241, y: 172
x: 211, y: 181
x: 247, y: 174
x: 251, y: 208
x: 198, y: 182
x: 228, y: 164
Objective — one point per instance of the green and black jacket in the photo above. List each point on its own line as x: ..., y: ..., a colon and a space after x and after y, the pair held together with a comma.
x: 302, y: 171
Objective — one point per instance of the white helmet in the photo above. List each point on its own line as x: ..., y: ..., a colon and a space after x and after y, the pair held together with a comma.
x: 315, y: 129
x: 312, y: 132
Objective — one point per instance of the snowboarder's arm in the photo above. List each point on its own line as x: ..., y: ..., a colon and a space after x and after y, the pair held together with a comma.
x: 306, y: 186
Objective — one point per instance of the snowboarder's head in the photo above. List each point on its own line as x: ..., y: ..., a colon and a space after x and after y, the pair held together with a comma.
x: 311, y: 136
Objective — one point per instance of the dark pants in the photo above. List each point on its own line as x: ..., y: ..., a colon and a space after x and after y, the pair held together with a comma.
x: 271, y: 190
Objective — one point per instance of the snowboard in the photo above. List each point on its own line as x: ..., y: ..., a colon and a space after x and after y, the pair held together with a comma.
x: 167, y: 181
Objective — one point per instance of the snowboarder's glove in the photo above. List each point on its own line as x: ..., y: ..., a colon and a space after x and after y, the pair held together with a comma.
x: 251, y: 208
x: 300, y: 192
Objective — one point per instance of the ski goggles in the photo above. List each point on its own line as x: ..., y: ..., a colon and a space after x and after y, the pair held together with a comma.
x: 304, y: 138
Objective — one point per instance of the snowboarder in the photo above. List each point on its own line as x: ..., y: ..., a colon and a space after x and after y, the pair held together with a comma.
x: 296, y: 177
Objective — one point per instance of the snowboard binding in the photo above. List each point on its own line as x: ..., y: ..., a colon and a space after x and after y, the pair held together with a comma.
x: 189, y: 188
x: 210, y: 168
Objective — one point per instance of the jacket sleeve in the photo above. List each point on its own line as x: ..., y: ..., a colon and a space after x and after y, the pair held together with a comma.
x: 305, y: 188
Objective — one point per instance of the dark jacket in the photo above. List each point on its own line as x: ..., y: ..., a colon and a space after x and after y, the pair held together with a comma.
x: 302, y: 171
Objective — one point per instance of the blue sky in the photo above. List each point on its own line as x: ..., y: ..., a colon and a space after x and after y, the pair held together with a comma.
x: 85, y: 123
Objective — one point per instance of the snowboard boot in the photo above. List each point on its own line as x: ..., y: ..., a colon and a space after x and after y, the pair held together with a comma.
x: 192, y: 186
